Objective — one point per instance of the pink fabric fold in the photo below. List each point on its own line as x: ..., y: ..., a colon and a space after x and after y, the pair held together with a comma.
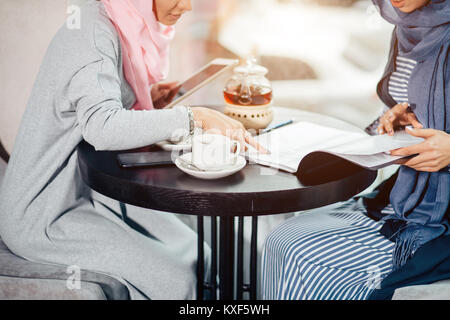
x: 145, y: 46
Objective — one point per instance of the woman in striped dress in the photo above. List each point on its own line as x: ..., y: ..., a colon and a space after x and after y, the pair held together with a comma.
x: 343, y: 252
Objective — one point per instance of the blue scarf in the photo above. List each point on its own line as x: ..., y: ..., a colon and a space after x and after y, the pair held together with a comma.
x: 421, y: 199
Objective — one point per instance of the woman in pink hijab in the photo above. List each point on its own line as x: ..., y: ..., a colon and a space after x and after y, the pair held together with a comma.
x: 146, y: 29
x: 101, y: 83
x: 145, y: 32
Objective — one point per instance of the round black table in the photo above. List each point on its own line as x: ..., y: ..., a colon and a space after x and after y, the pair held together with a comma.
x: 254, y: 191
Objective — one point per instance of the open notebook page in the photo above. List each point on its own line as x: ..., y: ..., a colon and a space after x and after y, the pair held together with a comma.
x: 290, y: 144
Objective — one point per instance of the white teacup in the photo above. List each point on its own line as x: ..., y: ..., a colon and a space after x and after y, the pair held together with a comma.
x: 214, y: 151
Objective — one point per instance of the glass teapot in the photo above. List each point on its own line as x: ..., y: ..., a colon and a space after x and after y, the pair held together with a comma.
x: 248, y: 96
x: 248, y: 86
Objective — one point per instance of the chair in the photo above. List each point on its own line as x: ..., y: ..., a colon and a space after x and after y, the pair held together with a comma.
x: 436, y: 291
x: 24, y: 280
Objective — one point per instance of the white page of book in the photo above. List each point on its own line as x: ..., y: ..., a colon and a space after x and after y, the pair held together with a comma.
x: 290, y: 144
x: 373, y: 161
x: 370, y: 145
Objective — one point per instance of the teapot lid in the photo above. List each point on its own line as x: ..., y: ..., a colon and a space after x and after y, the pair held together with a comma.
x: 251, y: 70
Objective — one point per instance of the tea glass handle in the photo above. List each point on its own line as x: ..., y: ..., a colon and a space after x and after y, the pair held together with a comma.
x: 245, y: 92
x: 237, y: 147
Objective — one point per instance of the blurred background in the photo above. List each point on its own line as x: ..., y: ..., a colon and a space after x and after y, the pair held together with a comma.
x: 323, y: 55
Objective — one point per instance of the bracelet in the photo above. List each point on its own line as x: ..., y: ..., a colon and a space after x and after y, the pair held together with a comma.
x: 191, y: 121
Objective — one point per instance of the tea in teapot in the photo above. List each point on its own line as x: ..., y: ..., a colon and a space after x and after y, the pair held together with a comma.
x: 248, y: 96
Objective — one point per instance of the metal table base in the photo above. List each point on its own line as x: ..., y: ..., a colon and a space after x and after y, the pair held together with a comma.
x: 230, y: 284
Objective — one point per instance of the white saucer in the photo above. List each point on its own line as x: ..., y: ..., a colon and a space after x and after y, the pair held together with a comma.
x: 185, y: 145
x: 208, y: 175
x: 168, y: 146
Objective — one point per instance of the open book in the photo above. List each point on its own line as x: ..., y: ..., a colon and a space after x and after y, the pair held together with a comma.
x: 309, y: 146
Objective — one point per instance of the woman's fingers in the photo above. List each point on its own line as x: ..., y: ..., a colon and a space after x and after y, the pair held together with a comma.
x: 252, y: 141
x: 215, y: 122
x: 165, y: 93
x: 428, y: 145
x: 244, y: 137
x: 432, y: 155
x: 398, y: 115
x: 412, y: 119
x: 422, y: 133
x: 380, y: 128
x: 214, y: 131
x: 421, y: 159
x: 172, y: 93
x: 429, y: 166
x: 412, y: 150
x: 167, y: 85
x: 387, y: 122
x: 238, y: 135
x: 427, y: 169
x: 248, y: 138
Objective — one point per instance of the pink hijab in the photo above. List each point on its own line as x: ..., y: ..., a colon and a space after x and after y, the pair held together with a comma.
x: 145, y: 46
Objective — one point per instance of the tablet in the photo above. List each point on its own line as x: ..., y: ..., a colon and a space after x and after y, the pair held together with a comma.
x: 201, y: 78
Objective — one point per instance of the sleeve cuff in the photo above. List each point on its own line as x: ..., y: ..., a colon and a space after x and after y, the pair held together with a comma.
x: 181, y: 124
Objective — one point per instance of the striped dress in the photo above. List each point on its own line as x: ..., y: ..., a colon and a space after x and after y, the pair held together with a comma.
x: 332, y: 253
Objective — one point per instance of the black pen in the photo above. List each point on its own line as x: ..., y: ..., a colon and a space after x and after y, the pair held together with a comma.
x: 277, y: 126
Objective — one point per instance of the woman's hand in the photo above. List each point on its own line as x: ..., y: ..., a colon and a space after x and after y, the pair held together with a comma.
x: 432, y: 155
x: 216, y: 122
x: 163, y: 93
x: 397, y: 116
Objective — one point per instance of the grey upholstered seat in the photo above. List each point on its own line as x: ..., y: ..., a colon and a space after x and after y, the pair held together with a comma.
x: 436, y: 291
x: 23, y: 280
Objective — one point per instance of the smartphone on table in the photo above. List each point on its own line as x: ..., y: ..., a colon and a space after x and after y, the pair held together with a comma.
x: 145, y: 159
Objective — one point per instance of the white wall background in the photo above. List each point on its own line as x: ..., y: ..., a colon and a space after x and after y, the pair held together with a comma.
x: 26, y: 28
